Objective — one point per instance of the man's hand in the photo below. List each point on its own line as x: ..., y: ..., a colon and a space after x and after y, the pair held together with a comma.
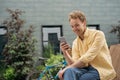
x: 64, y: 47
x: 60, y: 74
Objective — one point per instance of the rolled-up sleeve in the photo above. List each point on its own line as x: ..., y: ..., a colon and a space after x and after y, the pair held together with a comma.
x: 94, y: 50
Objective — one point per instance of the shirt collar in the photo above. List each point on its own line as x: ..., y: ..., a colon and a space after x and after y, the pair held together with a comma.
x: 85, y: 34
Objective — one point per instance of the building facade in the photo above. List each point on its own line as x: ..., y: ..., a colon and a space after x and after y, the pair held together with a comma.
x: 50, y: 17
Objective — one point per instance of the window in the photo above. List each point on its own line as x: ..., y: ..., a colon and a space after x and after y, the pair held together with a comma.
x: 94, y: 26
x: 50, y: 35
x: 3, y: 30
x: 3, y: 39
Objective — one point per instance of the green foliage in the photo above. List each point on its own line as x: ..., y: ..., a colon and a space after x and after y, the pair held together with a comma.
x: 2, y: 70
x: 20, y: 47
x: 54, y: 59
x: 9, y: 74
x: 47, y: 51
x: 40, y: 67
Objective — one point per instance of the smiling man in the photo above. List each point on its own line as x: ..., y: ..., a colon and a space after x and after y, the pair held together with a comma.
x: 90, y: 58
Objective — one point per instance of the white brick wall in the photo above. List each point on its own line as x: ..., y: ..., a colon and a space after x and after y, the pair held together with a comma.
x: 55, y: 12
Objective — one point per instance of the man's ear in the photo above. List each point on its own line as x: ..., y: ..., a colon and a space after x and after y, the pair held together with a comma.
x: 84, y: 23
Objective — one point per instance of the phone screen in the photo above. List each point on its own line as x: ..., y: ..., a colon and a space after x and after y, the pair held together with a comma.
x: 62, y: 39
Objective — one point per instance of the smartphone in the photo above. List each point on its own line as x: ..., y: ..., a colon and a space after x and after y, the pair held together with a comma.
x: 62, y: 39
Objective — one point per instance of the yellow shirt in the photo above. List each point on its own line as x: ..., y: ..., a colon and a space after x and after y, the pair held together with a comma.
x: 93, y: 50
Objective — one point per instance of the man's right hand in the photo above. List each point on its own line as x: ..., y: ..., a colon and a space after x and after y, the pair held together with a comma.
x: 64, y: 47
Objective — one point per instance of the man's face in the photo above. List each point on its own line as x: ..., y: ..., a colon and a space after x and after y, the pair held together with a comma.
x: 78, y: 27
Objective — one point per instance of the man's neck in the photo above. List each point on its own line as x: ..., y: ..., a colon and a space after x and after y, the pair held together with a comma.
x: 82, y: 36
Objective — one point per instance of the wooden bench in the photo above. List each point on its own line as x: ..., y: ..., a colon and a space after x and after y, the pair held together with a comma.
x: 115, y: 55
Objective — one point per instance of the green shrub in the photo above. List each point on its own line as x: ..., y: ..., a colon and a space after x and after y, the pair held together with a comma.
x: 20, y: 48
x: 47, y: 51
x: 54, y: 59
x: 9, y: 74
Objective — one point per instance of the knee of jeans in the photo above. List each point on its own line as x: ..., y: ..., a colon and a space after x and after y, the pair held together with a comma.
x: 68, y: 71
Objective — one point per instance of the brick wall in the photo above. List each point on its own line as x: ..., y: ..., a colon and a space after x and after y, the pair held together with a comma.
x: 55, y: 12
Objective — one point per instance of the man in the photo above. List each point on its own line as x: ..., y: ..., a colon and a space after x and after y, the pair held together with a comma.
x: 90, y: 58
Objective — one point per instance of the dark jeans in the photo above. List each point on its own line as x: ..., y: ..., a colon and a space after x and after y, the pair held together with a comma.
x: 87, y: 73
